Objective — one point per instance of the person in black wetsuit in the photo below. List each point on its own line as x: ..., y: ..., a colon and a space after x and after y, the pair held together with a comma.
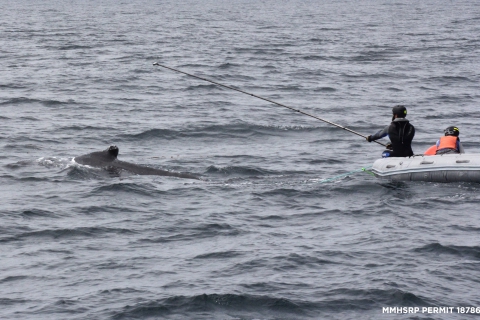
x: 400, y: 132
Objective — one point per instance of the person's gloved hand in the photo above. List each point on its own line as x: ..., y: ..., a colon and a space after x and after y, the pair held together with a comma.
x: 369, y: 139
x: 389, y: 146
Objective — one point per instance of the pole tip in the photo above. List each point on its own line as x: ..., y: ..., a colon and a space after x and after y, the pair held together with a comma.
x: 155, y: 64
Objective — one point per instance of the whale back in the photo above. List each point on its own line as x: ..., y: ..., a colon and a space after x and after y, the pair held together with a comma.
x: 107, y: 159
x: 99, y: 158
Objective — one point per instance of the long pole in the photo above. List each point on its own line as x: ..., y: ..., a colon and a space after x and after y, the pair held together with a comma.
x: 262, y: 98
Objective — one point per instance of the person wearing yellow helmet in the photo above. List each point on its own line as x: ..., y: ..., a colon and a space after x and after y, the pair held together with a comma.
x: 450, y: 142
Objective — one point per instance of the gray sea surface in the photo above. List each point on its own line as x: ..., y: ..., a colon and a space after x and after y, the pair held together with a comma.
x: 262, y: 235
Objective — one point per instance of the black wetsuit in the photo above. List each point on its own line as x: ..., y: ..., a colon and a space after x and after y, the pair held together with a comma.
x: 401, y: 134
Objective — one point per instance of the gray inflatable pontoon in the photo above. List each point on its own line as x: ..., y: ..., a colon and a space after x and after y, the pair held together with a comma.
x: 440, y: 168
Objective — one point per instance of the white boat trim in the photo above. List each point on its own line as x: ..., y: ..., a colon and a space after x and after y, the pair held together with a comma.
x: 438, y: 168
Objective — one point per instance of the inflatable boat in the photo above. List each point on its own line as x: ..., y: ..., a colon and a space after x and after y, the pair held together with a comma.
x: 439, y: 168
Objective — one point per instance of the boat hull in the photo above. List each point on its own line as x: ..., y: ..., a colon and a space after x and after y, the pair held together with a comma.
x: 438, y: 168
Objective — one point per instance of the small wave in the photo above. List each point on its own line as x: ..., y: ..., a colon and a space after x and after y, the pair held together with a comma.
x: 193, y: 65
x: 203, y: 87
x: 325, y: 161
x: 460, y: 251
x: 92, y: 210
x: 34, y: 213
x: 83, y: 128
x: 447, y: 98
x: 9, y: 302
x: 303, y: 260
x: 15, y: 101
x: 419, y: 34
x: 74, y: 47
x: 427, y: 88
x: 254, y: 306
x: 110, y: 265
x: 228, y: 65
x: 467, y: 228
x: 315, y: 58
x: 246, y: 306
x: 155, y: 133
x: 320, y: 40
x: 201, y: 232
x: 56, y: 234
x: 368, y: 298
x: 325, y: 89
x: 452, y: 115
x: 34, y: 179
x: 54, y: 162
x: 80, y: 172
x: 233, y: 130
x: 238, y: 171
x: 372, y: 56
x: 12, y: 279
x: 11, y: 86
x: 394, y: 89
x: 289, y: 193
x: 23, y: 100
x: 451, y: 79
x: 121, y: 290
x: 272, y: 217
x: 29, y: 119
x: 260, y: 51
x: 219, y: 255
x: 279, y: 263
x: 27, y: 146
x: 19, y: 164
x: 234, y: 77
x: 130, y: 188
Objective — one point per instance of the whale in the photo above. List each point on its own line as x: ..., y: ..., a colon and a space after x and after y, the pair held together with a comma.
x: 107, y: 159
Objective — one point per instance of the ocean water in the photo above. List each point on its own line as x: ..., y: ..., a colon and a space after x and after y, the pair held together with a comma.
x: 262, y: 235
